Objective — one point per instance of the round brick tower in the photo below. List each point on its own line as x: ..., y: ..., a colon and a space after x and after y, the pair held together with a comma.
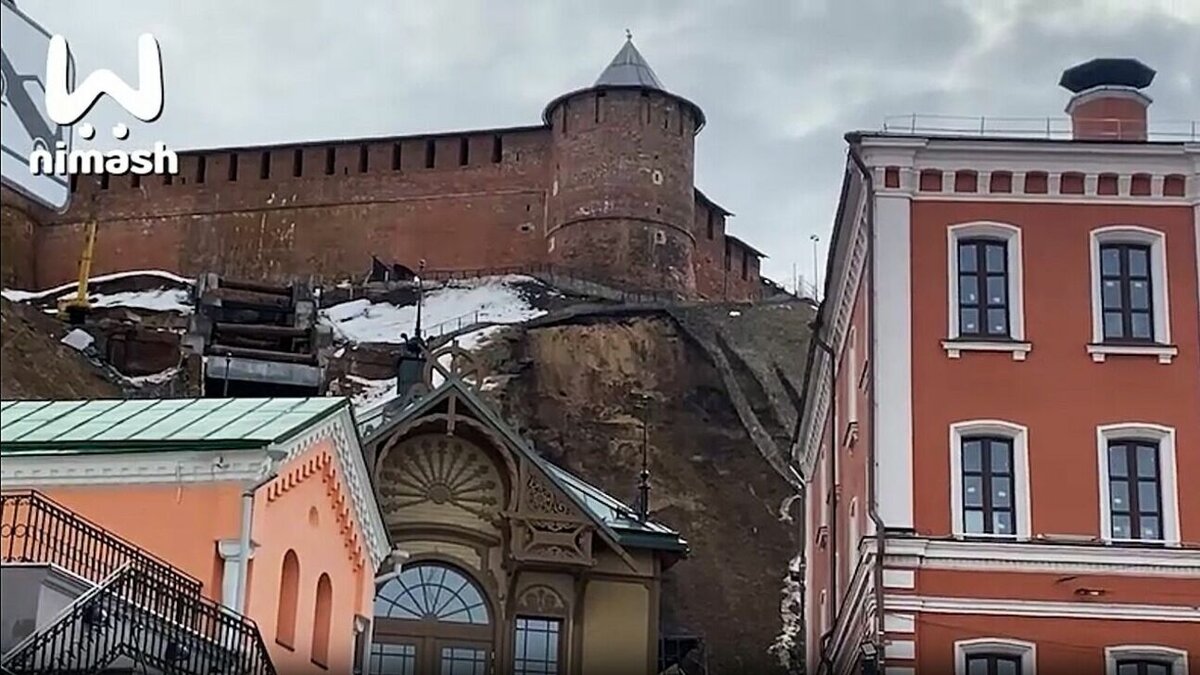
x: 622, y: 198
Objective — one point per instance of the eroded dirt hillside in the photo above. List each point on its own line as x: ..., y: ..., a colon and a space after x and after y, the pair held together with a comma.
x: 35, y: 365
x: 570, y: 386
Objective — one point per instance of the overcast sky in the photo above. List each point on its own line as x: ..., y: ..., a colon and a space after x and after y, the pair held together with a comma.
x: 781, y: 81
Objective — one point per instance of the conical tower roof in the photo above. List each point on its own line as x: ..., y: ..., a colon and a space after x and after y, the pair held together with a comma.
x: 628, y: 70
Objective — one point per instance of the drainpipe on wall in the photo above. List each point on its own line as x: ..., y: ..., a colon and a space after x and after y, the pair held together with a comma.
x: 872, y: 505
x: 275, y: 455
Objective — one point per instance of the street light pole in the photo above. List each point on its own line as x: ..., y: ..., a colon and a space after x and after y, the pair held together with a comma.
x: 816, y: 268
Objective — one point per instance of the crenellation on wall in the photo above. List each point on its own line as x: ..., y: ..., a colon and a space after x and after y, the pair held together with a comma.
x: 604, y: 187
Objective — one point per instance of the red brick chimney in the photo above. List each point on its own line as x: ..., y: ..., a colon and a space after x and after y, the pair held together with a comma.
x: 1108, y: 103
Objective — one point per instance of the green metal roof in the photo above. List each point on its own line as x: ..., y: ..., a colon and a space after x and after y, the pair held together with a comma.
x: 617, y: 515
x: 36, y: 427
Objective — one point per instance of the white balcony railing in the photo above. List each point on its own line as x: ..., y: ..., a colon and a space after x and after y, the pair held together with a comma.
x: 1059, y: 128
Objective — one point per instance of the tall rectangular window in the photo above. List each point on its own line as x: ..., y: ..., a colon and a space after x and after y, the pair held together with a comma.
x: 497, y: 148
x: 396, y: 156
x: 983, y: 289
x: 536, y: 646
x: 330, y: 160
x: 201, y: 168
x: 1126, y: 292
x: 987, y: 486
x: 1134, y: 492
x: 364, y: 158
x: 297, y: 163
x: 233, y: 166
x: 464, y: 151
x: 264, y: 166
x: 430, y: 153
x: 993, y: 664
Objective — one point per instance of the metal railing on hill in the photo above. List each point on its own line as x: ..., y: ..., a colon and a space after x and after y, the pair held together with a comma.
x: 1054, y: 128
x: 565, y: 277
x: 132, y: 583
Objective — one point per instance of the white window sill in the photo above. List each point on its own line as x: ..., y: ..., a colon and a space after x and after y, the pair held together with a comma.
x: 1147, y: 543
x: 1018, y: 349
x: 983, y: 536
x: 1100, y: 352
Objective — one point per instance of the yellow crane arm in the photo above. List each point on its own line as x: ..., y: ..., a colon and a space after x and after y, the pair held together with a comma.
x: 85, y: 265
x: 80, y: 301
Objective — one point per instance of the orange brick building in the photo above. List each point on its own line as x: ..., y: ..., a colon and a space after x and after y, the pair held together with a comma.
x: 1002, y: 416
x: 603, y: 188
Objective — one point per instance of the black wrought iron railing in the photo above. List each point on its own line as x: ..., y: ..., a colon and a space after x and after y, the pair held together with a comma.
x: 35, y: 529
x: 122, y: 620
x: 142, y: 608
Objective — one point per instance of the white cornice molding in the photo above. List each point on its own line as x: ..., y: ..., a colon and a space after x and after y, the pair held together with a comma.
x: 353, y: 467
x: 1043, y: 557
x: 118, y: 468
x: 1042, y: 608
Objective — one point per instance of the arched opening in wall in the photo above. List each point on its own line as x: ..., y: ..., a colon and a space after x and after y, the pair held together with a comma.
x: 1107, y: 184
x: 289, y: 598
x: 432, y: 617
x: 1071, y: 183
x: 1037, y: 183
x: 1139, y: 185
x: 1175, y: 185
x: 322, y: 621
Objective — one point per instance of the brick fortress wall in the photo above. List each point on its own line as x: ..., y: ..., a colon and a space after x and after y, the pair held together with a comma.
x: 608, y: 195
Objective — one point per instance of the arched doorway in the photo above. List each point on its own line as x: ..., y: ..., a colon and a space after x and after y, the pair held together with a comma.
x: 431, y: 618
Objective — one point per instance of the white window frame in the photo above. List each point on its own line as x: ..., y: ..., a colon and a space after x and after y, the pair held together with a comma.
x: 1019, y: 435
x: 1162, y: 348
x: 850, y: 374
x: 853, y: 535
x: 1167, y: 477
x: 1027, y: 651
x: 1011, y: 235
x: 1177, y: 657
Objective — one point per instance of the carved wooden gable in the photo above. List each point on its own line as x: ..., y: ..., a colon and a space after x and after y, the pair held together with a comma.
x: 547, y: 526
x: 450, y: 456
x: 438, y: 478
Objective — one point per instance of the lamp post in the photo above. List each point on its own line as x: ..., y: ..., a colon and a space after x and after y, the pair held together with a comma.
x: 816, y: 267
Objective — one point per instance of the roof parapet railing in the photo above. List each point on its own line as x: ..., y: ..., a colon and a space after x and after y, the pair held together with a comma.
x: 1054, y: 128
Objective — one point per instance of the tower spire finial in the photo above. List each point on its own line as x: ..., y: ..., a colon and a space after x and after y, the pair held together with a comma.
x: 628, y: 35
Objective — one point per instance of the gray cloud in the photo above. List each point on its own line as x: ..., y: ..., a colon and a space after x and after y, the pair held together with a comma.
x: 780, y: 81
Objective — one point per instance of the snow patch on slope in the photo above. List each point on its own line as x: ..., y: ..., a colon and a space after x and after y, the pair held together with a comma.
x: 458, y: 304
